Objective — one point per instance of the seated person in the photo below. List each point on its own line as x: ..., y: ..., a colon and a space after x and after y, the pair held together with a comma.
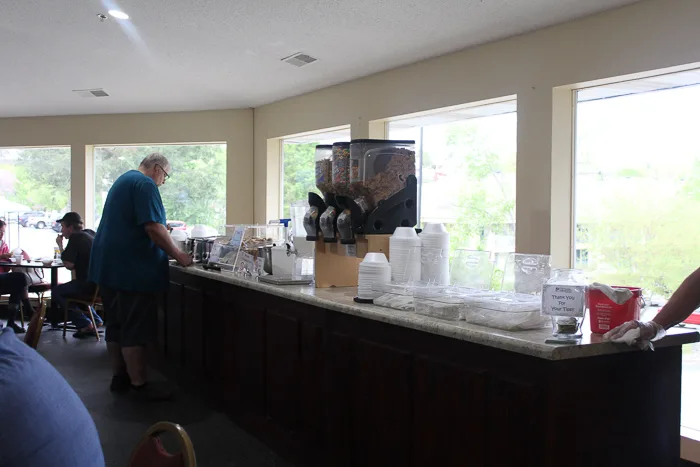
x: 76, y: 257
x: 13, y: 283
x: 44, y: 421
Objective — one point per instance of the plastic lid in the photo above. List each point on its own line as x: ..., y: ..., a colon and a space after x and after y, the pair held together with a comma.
x: 383, y: 141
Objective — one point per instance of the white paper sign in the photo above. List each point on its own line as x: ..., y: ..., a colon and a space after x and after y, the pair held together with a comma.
x: 247, y: 262
x: 237, y: 236
x: 259, y: 265
x: 563, y: 300
x: 350, y: 250
x: 215, y: 253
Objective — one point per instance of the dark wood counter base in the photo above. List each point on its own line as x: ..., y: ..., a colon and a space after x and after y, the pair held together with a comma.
x: 323, y: 388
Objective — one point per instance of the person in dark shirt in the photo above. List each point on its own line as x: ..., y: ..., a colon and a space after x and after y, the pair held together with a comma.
x: 76, y: 257
x: 44, y: 422
x: 130, y: 263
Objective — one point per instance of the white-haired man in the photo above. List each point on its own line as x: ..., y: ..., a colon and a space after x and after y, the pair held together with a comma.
x: 129, y: 262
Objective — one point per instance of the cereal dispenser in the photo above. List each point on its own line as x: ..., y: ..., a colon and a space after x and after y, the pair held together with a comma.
x: 382, y: 189
x: 324, y: 183
x: 372, y: 190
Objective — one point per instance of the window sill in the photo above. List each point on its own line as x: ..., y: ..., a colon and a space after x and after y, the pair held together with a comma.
x: 690, y: 444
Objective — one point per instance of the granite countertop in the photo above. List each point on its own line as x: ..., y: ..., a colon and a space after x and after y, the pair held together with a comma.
x: 524, y: 342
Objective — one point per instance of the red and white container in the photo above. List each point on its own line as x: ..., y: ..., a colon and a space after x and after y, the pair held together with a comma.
x: 606, y: 314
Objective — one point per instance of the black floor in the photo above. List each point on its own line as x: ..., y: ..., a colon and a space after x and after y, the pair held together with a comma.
x: 121, y: 421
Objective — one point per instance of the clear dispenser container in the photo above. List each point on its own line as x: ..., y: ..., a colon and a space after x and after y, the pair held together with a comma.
x: 564, y: 300
x: 297, y: 211
x: 379, y: 168
x: 324, y: 168
x: 340, y: 168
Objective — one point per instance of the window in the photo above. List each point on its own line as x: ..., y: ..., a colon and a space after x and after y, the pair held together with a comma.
x: 195, y: 193
x: 637, y: 192
x: 466, y: 172
x: 298, y: 165
x: 34, y: 192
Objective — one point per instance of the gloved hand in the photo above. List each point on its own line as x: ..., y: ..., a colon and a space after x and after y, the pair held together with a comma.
x: 636, y: 332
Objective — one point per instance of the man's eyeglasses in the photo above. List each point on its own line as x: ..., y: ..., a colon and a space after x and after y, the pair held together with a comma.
x: 164, y: 172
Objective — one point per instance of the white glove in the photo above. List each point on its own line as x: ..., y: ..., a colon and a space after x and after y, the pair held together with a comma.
x: 637, y: 333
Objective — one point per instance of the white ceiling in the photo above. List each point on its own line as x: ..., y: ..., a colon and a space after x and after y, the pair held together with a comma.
x: 213, y: 54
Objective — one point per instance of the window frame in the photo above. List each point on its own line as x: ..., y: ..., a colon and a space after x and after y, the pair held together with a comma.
x: 280, y: 151
x: 566, y: 110
x: 447, y: 112
x: 91, y: 204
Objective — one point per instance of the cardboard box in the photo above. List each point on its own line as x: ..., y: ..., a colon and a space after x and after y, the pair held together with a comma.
x: 336, y: 267
x: 374, y: 244
x: 332, y: 268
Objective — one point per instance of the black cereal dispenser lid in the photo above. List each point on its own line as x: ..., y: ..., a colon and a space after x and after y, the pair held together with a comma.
x: 382, y: 141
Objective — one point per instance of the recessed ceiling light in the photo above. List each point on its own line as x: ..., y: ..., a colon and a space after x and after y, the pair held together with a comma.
x: 118, y: 14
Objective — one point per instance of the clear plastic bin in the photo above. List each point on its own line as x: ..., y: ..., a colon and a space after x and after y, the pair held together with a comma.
x: 525, y: 273
x: 507, y: 311
x: 449, y: 306
x: 239, y: 253
x: 394, y: 296
x: 472, y: 269
x: 400, y: 296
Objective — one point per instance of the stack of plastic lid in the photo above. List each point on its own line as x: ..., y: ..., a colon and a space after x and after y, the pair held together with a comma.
x: 435, y: 241
x: 374, y: 269
x: 404, y: 250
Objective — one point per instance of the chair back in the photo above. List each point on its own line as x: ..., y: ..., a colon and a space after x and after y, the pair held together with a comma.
x: 96, y: 295
x: 36, y: 324
x: 151, y: 453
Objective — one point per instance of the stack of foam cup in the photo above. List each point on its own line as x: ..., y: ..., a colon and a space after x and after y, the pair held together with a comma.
x: 404, y: 251
x: 374, y: 269
x: 435, y: 257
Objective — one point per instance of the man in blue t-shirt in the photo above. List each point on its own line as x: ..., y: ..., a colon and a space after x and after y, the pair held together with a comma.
x: 44, y: 422
x: 129, y: 262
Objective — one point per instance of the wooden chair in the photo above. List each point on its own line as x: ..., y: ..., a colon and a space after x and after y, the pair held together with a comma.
x: 36, y: 324
x: 151, y: 453
x: 39, y: 289
x: 89, y: 303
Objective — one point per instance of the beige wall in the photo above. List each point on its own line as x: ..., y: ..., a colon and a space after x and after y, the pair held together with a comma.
x: 234, y: 127
x: 648, y: 35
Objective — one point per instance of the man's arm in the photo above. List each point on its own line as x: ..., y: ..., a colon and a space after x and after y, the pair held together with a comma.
x: 159, y: 235
x: 682, y: 303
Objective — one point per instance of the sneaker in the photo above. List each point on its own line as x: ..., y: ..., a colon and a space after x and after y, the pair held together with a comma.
x: 120, y: 384
x: 17, y: 328
x: 152, y: 392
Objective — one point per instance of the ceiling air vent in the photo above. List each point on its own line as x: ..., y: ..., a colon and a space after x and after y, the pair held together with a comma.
x: 299, y: 59
x: 99, y: 92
